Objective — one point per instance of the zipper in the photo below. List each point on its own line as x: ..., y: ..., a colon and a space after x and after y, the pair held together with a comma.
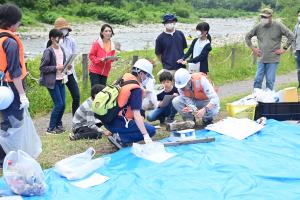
x: 104, y: 64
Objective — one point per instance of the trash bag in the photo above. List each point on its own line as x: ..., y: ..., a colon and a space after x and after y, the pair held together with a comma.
x: 22, y: 137
x: 150, y: 99
x: 23, y: 174
x: 80, y: 165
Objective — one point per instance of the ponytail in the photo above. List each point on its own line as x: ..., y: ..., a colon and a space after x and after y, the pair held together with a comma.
x: 209, y: 37
x: 49, y: 43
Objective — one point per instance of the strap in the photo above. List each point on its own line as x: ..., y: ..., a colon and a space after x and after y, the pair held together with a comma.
x: 5, y: 34
x: 129, y: 82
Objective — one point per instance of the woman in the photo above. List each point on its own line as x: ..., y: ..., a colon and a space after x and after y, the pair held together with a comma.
x: 199, y: 49
x: 101, y: 56
x: 69, y: 46
x: 52, y: 66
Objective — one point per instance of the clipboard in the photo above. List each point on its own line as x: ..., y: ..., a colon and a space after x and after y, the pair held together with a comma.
x: 166, y: 100
x: 69, y: 61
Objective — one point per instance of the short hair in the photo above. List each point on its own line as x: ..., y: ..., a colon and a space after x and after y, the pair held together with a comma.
x: 203, y: 26
x: 53, y: 34
x: 165, y: 75
x: 104, y: 26
x: 96, y: 89
x: 10, y: 14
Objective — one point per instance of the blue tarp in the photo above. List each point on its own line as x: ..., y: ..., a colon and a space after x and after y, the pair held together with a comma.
x: 263, y: 166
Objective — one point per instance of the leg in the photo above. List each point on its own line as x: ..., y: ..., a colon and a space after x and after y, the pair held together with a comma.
x: 102, y: 80
x: 94, y: 79
x: 62, y: 92
x: 298, y: 65
x: 259, y: 77
x: 179, y: 103
x: 271, y: 74
x: 170, y: 112
x: 155, y: 115
x: 74, y: 91
x: 86, y: 133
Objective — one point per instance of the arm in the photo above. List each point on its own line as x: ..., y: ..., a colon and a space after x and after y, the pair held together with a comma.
x: 188, y: 101
x: 45, y: 63
x: 203, y: 55
x: 190, y: 51
x: 158, y: 49
x: 290, y: 36
x: 249, y: 36
x: 93, y: 54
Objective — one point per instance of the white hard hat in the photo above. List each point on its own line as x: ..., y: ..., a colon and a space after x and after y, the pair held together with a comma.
x: 182, y: 77
x: 144, y: 65
x: 6, y: 97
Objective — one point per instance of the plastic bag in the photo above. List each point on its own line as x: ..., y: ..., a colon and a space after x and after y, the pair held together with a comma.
x: 23, y: 174
x: 80, y: 165
x: 150, y: 99
x: 23, y: 137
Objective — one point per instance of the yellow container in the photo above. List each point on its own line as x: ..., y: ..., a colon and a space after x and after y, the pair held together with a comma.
x: 290, y: 94
x: 241, y: 111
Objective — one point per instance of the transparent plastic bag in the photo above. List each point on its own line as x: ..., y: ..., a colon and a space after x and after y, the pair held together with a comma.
x: 150, y: 99
x: 23, y: 174
x: 22, y: 136
x: 80, y: 165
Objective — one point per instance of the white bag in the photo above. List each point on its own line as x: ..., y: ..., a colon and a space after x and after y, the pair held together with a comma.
x: 23, y: 174
x: 150, y: 99
x: 23, y: 137
x: 80, y: 165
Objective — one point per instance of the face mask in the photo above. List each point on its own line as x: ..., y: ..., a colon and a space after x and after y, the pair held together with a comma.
x: 264, y: 21
x: 65, y: 32
x: 60, y: 42
x: 145, y: 81
x: 298, y: 18
x: 170, y: 26
x: 198, y: 33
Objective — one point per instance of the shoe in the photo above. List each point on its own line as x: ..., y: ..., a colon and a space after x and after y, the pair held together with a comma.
x: 115, y: 140
x: 207, y: 122
x: 61, y: 128
x: 170, y: 120
x: 72, y: 136
x: 53, y: 131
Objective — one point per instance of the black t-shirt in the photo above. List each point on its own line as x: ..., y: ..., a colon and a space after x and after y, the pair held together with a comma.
x: 161, y: 95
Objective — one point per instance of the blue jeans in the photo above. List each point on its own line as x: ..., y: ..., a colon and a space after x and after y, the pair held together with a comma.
x: 161, y: 113
x: 298, y: 65
x: 74, y: 91
x: 58, y: 95
x: 268, y: 70
x: 130, y: 134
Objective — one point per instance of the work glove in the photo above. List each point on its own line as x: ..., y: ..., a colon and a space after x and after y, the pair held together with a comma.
x: 147, y: 139
x: 24, y: 101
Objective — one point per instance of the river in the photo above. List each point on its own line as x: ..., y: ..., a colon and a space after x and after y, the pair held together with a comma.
x: 138, y: 36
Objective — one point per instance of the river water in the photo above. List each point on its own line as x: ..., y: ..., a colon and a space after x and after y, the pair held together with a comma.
x: 138, y: 36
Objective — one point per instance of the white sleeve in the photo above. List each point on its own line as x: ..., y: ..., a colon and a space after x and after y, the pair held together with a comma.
x: 210, y: 92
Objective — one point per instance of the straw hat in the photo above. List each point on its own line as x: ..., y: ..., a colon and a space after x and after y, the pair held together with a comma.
x: 266, y: 12
x: 61, y: 23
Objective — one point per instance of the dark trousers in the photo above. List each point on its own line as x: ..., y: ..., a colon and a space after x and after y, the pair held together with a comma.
x: 298, y: 65
x: 86, y: 133
x: 97, y: 79
x: 58, y: 95
x: 13, y: 112
x: 74, y: 91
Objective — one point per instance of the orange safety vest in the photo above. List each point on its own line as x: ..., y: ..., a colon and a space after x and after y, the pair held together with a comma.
x: 3, y: 60
x: 197, y: 92
x: 124, y: 95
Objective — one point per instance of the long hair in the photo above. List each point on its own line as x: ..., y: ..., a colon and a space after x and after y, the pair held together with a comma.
x: 103, y: 28
x: 53, y: 34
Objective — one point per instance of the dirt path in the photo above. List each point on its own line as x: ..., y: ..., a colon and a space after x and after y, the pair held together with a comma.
x: 227, y: 90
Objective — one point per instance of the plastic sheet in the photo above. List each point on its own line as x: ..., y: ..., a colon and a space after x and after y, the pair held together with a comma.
x: 263, y: 166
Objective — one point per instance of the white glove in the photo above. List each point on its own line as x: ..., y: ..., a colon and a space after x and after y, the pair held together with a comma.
x: 24, y: 101
x: 147, y: 139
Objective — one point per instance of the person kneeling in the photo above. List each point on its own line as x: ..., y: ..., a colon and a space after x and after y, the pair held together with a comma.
x: 197, y: 97
x: 85, y: 125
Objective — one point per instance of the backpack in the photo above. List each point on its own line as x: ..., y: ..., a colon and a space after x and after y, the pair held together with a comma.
x: 105, y: 105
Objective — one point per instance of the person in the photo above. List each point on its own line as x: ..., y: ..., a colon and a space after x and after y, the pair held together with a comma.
x: 166, y: 111
x: 51, y: 76
x: 12, y: 66
x: 129, y: 125
x: 197, y: 97
x: 199, y: 49
x: 69, y: 46
x: 269, y: 35
x: 170, y: 44
x: 296, y: 46
x: 85, y: 125
x: 102, y: 55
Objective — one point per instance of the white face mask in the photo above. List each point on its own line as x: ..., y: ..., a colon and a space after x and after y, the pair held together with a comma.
x: 170, y: 26
x: 298, y: 18
x: 198, y: 33
x: 65, y: 31
x: 264, y: 21
x: 145, y: 81
x: 60, y: 42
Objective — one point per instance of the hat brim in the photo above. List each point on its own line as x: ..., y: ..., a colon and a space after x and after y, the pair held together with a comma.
x: 180, y: 86
x: 265, y: 15
x: 174, y: 20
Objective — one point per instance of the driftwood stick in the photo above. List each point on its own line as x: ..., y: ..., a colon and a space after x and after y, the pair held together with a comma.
x: 185, y: 142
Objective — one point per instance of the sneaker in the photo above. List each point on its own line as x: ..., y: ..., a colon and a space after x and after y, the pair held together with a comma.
x: 207, y: 122
x: 61, y: 128
x: 53, y: 131
x: 115, y: 140
x: 170, y: 120
x: 72, y: 136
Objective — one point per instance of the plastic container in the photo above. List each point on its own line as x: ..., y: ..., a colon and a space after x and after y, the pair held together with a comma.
x: 241, y: 111
x: 184, y: 134
x: 289, y: 94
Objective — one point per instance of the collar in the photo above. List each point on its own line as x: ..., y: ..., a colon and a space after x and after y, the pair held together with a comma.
x: 170, y: 33
x: 112, y: 44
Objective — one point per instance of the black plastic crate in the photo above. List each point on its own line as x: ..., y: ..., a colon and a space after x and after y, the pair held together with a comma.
x: 278, y: 111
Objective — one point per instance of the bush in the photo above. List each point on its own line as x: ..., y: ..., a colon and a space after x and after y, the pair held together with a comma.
x: 48, y: 17
x: 113, y: 15
x: 181, y: 12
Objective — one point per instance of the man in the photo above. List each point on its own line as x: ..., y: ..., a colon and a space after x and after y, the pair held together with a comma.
x: 197, y: 97
x: 269, y: 34
x: 129, y: 125
x: 296, y: 45
x: 85, y: 126
x: 12, y: 64
x: 170, y: 44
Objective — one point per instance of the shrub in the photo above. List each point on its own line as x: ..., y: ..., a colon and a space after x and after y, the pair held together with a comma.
x: 182, y: 12
x: 113, y: 15
x: 48, y: 17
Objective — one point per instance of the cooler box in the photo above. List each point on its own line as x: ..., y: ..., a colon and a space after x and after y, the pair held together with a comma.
x: 278, y: 111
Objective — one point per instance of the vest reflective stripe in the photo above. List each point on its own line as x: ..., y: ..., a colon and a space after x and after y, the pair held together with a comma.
x: 3, y: 60
x: 124, y: 95
x: 197, y: 92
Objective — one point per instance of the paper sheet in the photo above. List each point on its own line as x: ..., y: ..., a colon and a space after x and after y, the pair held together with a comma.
x: 93, y: 180
x: 236, y: 128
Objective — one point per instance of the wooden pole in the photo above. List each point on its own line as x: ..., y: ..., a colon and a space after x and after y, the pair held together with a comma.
x: 134, y: 59
x: 185, y: 142
x: 233, y: 50
x: 84, y: 69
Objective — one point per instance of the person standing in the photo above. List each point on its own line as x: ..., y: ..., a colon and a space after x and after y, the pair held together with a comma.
x: 269, y: 35
x: 296, y: 46
x: 170, y: 44
x: 12, y: 64
x: 69, y: 46
x: 102, y: 55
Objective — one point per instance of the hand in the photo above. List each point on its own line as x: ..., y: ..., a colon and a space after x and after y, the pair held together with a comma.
x: 180, y: 61
x: 257, y: 51
x: 200, y: 113
x: 106, y: 133
x: 184, y: 62
x: 279, y: 51
x: 24, y: 101
x: 147, y: 139
x: 175, y: 94
x: 69, y: 67
x: 59, y: 67
x: 186, y: 110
